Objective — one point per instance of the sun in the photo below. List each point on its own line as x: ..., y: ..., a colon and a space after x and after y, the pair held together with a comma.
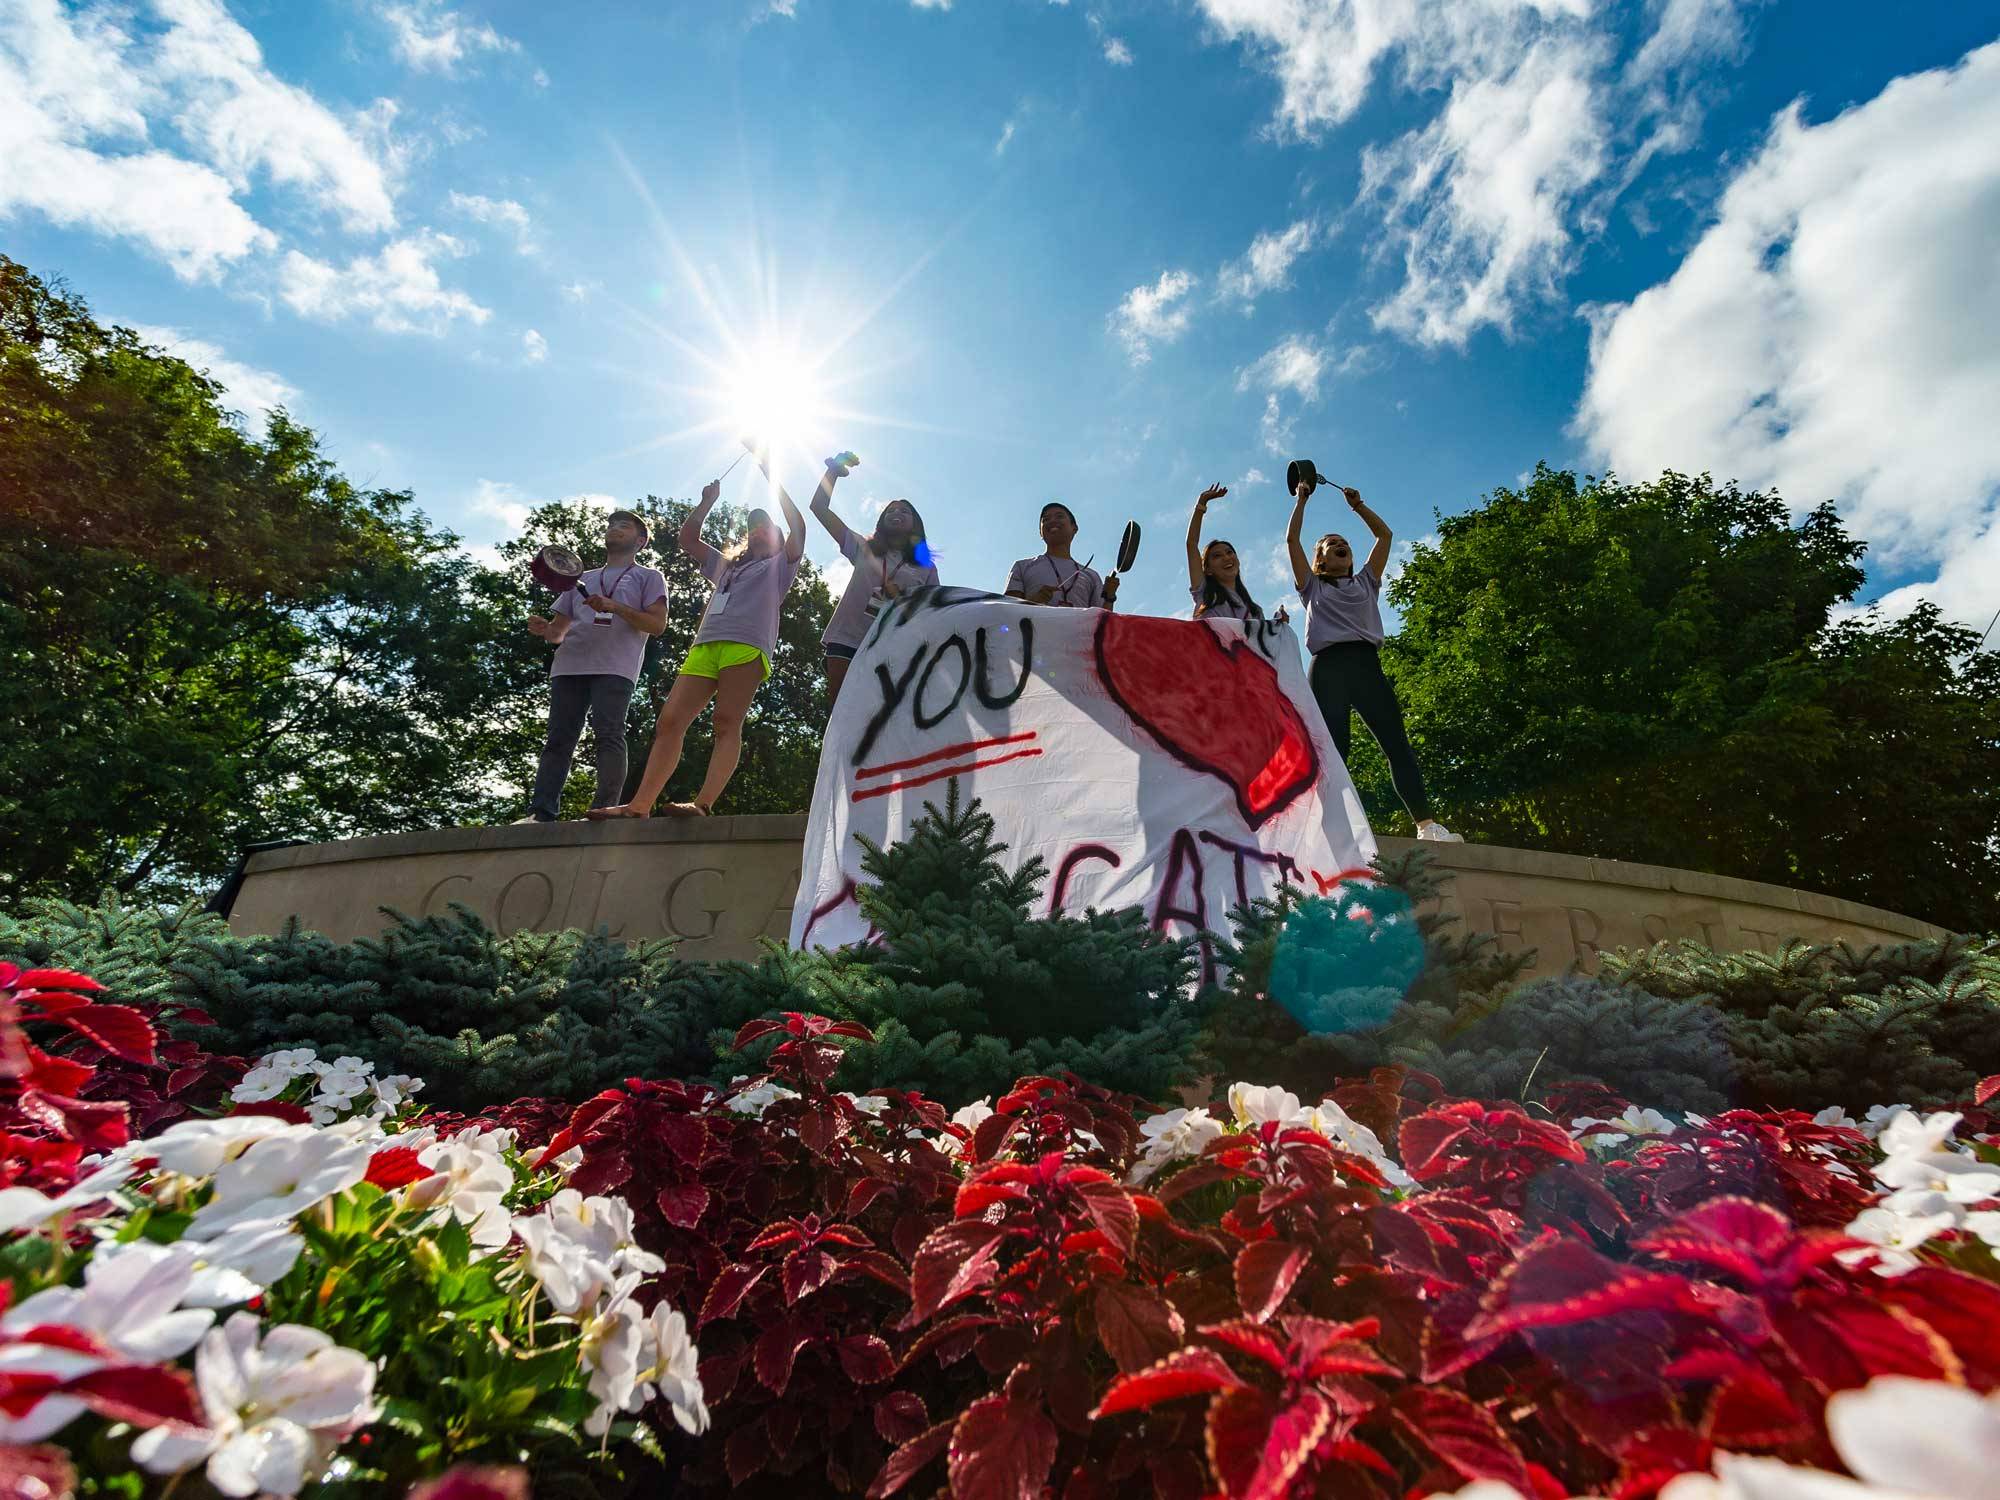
x: 772, y: 397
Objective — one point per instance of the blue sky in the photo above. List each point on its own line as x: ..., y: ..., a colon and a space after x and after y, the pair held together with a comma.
x: 1016, y: 250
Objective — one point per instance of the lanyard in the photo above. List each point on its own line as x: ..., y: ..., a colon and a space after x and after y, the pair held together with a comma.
x: 1076, y: 571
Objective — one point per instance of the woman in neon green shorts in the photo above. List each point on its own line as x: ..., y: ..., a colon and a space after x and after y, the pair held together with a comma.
x: 731, y: 655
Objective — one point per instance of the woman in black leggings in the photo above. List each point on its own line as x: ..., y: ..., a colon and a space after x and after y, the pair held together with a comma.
x: 1343, y: 632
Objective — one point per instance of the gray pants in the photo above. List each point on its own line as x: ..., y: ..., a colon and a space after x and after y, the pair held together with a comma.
x: 606, y: 696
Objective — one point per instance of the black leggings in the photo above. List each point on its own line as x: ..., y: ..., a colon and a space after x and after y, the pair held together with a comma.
x: 1347, y: 676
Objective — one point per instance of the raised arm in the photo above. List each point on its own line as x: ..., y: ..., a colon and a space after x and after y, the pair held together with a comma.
x: 822, y: 507
x: 690, y: 532
x: 1213, y: 492
x: 1301, y: 564
x: 1378, y: 555
x: 795, y: 526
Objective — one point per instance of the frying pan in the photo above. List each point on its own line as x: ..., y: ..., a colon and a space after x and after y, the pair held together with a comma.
x: 556, y: 568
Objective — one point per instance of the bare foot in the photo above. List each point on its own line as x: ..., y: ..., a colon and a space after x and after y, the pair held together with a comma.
x: 621, y: 810
x: 685, y: 810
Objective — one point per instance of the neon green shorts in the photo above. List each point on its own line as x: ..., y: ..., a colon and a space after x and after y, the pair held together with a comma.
x: 709, y: 660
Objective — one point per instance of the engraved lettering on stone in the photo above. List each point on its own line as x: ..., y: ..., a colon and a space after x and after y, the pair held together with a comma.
x: 429, y: 908
x: 1648, y: 922
x: 500, y: 919
x: 596, y: 907
x: 1583, y: 945
x: 672, y: 904
x: 1512, y: 914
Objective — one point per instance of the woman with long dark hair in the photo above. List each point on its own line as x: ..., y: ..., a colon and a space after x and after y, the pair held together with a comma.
x: 894, y: 560
x: 1344, y: 635
x: 1215, y: 578
x: 731, y: 655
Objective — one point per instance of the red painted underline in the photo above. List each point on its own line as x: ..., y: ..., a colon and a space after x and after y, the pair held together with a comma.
x: 949, y: 750
x: 977, y: 765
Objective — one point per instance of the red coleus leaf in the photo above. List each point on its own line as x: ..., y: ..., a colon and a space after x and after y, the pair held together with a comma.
x: 1750, y: 1410
x: 1135, y: 1324
x: 993, y: 1133
x: 394, y: 1167
x: 1461, y: 1434
x: 1005, y: 1184
x: 1109, y: 1207
x: 144, y: 1395
x: 1258, y: 1342
x: 746, y: 1451
x: 818, y: 1128
x: 39, y: 1472
x: 900, y: 1416
x: 1186, y: 1372
x: 751, y: 1031
x: 1750, y: 1241
x: 1963, y: 1309
x: 727, y: 1291
x: 777, y: 1347
x: 1325, y: 1349
x: 118, y: 1029
x: 1565, y: 1281
x: 47, y: 979
x: 952, y: 1262
x: 905, y: 1463
x: 1257, y: 1446
x: 682, y: 1204
x: 95, y: 1127
x: 865, y: 1358
x: 1986, y: 1088
x: 1001, y: 1449
x: 1841, y: 1342
x: 1265, y: 1273
x: 807, y: 1269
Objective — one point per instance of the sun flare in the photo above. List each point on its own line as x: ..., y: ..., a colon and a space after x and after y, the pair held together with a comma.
x: 773, y: 399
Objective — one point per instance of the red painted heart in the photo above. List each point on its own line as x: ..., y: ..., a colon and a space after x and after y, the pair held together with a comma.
x: 1215, y: 708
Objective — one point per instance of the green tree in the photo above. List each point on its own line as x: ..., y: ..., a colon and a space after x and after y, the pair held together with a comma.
x: 1649, y: 672
x: 781, y: 737
x: 207, y: 638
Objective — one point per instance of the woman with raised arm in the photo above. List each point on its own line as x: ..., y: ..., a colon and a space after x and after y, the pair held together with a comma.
x: 1344, y: 636
x: 731, y: 655
x: 893, y: 561
x: 1215, y: 580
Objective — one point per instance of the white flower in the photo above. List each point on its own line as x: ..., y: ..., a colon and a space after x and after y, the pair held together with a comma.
x: 1634, y: 1121
x: 1338, y: 1126
x: 496, y: 1142
x: 975, y: 1114
x: 611, y: 1346
x: 131, y: 1302
x: 1833, y: 1114
x: 1903, y: 1439
x: 568, y: 1275
x: 232, y: 1268
x: 29, y: 1208
x: 1172, y: 1136
x: 756, y: 1101
x: 1880, y: 1116
x: 469, y: 1185
x: 276, y: 1410
x: 1257, y: 1104
x: 199, y: 1148
x: 262, y: 1082
x: 393, y: 1092
x: 279, y: 1177
x: 668, y: 1368
x: 1896, y: 1236
x: 868, y: 1104
x: 604, y: 1227
x: 343, y: 1078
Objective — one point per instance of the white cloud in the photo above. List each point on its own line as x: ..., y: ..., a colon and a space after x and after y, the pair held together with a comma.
x: 1006, y: 139
x: 1831, y: 334
x: 254, y: 392
x: 1540, y: 129
x: 1267, y: 265
x: 1274, y: 428
x: 502, y: 212
x: 1252, y: 476
x: 578, y: 291
x: 398, y: 289
x: 153, y: 134
x: 1294, y: 365
x: 1480, y: 198
x: 1117, y: 53
x: 432, y: 37
x: 1156, y: 314
x: 534, y: 348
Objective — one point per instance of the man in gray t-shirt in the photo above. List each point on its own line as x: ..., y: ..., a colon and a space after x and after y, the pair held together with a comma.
x: 599, y: 629
x: 1056, y: 578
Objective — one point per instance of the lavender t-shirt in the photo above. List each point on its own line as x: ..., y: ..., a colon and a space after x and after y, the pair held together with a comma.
x: 748, y: 595
x: 1232, y: 605
x: 850, y: 617
x: 614, y: 649
x: 1074, y: 584
x: 1343, y: 609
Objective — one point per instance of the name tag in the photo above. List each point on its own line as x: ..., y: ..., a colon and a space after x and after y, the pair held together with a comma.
x: 719, y: 603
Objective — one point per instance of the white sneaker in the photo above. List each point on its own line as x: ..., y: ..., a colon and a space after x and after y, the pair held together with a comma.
x: 1437, y: 833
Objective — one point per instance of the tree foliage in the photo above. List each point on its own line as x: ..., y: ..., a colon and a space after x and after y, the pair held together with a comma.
x: 1655, y: 672
x: 209, y: 638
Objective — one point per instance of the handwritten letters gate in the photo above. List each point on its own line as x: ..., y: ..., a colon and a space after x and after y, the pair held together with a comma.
x: 1177, y: 765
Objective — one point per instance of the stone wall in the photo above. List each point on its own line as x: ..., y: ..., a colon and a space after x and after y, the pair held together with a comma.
x: 720, y: 883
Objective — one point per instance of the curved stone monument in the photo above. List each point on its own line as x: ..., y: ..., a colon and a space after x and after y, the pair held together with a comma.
x: 719, y: 884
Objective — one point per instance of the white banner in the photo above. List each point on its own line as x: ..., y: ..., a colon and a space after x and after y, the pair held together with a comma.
x: 1177, y: 765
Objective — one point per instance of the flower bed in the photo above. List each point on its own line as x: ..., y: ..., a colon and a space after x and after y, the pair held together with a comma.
x: 289, y: 1277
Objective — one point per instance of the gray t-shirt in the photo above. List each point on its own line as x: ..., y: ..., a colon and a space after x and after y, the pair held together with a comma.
x: 851, y: 616
x: 1232, y: 605
x: 1345, y: 609
x: 748, y: 595
x: 611, y: 646
x: 1074, y: 584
